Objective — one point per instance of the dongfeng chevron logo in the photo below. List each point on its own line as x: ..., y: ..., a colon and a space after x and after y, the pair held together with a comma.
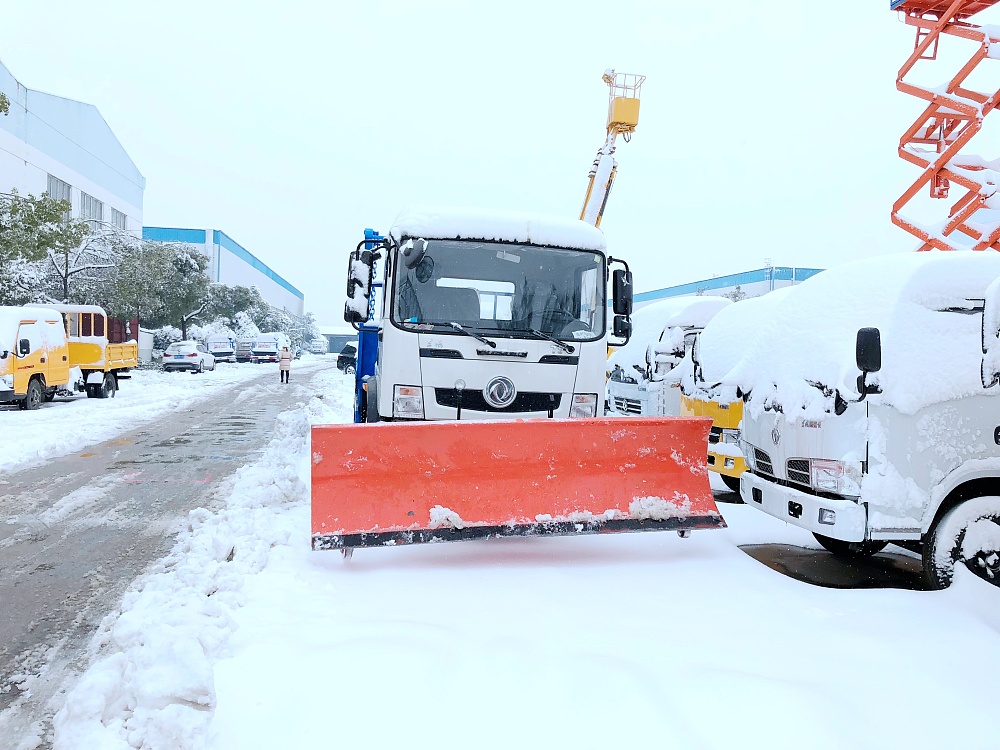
x: 500, y: 392
x: 775, y: 435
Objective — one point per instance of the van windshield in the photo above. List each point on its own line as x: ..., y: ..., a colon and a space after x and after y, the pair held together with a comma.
x: 510, y: 289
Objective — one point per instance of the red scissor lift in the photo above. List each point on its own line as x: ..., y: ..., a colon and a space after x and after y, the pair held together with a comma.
x: 953, y: 116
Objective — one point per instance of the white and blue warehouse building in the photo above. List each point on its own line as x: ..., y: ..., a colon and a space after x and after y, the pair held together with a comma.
x: 743, y: 285
x: 232, y: 264
x: 50, y: 144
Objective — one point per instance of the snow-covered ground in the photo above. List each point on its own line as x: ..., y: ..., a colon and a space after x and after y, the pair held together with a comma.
x: 244, y: 638
x: 69, y: 424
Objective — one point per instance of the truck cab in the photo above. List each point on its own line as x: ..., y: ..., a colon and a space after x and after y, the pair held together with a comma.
x: 873, y: 417
x: 34, y: 356
x: 486, y: 315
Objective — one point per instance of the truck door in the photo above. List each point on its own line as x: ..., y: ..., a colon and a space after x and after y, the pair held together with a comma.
x: 58, y: 353
x: 32, y: 362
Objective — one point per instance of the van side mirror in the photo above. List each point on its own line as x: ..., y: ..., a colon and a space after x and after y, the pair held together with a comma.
x: 990, y: 370
x: 869, y: 350
x: 622, y: 292
x: 360, y: 276
x: 23, y: 347
x: 868, y: 353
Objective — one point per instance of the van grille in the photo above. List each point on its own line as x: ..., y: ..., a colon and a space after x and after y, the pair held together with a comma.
x: 763, y: 461
x: 798, y: 470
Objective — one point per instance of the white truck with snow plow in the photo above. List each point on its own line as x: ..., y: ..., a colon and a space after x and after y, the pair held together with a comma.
x: 485, y: 359
x: 907, y: 451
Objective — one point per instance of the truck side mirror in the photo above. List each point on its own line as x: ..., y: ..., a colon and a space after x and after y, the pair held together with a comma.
x: 623, y: 328
x: 360, y: 273
x: 622, y: 292
x: 23, y: 347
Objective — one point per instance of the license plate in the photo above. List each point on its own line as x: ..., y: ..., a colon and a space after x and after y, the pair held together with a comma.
x: 178, y: 356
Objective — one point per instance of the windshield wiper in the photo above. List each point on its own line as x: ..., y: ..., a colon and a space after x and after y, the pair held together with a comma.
x: 565, y: 347
x: 467, y: 332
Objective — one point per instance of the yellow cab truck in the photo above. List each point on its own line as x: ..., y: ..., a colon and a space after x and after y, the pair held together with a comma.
x: 706, y: 391
x: 96, y: 365
x: 34, y: 355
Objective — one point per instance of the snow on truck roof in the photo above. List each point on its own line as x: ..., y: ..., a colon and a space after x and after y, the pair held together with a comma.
x: 11, y: 317
x: 497, y: 226
x: 930, y: 350
x: 73, y: 308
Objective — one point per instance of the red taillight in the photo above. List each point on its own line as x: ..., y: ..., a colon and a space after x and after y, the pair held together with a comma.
x: 193, y: 354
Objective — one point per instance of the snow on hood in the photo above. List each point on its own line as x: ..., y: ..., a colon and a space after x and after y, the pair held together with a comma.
x: 732, y: 335
x: 497, y: 226
x: 649, y: 324
x: 928, y: 354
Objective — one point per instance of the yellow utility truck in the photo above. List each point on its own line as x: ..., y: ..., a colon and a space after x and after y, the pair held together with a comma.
x: 34, y: 355
x: 96, y: 365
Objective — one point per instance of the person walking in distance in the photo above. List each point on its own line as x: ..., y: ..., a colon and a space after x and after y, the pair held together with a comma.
x: 284, y: 363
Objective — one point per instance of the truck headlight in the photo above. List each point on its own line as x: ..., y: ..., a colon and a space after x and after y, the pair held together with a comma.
x: 584, y: 405
x: 748, y: 456
x: 7, y: 382
x: 838, y: 477
x: 408, y: 402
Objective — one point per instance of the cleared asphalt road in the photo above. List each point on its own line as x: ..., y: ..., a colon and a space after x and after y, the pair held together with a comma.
x: 76, y: 531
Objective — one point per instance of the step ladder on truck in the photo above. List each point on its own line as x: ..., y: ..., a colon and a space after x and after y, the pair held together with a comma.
x: 883, y: 426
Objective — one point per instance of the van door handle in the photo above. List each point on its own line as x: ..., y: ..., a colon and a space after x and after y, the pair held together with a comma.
x: 64, y: 359
x: 43, y: 360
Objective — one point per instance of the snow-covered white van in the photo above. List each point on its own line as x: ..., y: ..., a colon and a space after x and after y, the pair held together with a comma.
x: 643, y: 375
x: 222, y: 347
x: 873, y: 413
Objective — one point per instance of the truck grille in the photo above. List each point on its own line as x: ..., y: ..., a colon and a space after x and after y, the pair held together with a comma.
x: 798, y: 470
x: 474, y: 401
x: 627, y: 405
x: 763, y: 461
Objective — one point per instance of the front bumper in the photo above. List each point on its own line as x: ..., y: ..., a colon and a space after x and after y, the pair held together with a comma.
x: 803, y: 510
x: 722, y: 463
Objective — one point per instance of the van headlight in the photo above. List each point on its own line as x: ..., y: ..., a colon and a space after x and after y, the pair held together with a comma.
x: 838, y: 477
x: 7, y: 382
x: 408, y: 402
x: 584, y: 405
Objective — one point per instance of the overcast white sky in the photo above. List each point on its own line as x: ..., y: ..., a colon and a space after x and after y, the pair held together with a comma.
x: 767, y: 130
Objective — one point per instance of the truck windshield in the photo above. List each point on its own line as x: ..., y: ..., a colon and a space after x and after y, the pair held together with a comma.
x: 505, y: 288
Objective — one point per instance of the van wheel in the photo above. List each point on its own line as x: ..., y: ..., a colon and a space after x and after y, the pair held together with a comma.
x: 349, y: 370
x: 850, y: 550
x: 107, y: 388
x: 968, y: 533
x: 34, y: 396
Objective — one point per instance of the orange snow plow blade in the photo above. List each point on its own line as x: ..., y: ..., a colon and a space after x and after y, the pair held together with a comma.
x: 406, y: 483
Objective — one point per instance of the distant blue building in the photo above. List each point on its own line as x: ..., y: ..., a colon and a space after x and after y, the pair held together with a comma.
x: 748, y: 283
x: 50, y: 144
x: 232, y: 264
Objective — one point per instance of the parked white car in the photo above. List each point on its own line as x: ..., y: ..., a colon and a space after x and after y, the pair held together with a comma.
x: 188, y: 355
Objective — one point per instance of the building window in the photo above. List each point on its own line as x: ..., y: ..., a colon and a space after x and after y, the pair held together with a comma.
x: 60, y: 191
x: 91, y: 210
x: 118, y: 219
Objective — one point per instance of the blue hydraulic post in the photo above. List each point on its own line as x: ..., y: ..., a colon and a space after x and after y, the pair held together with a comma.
x: 367, y: 332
